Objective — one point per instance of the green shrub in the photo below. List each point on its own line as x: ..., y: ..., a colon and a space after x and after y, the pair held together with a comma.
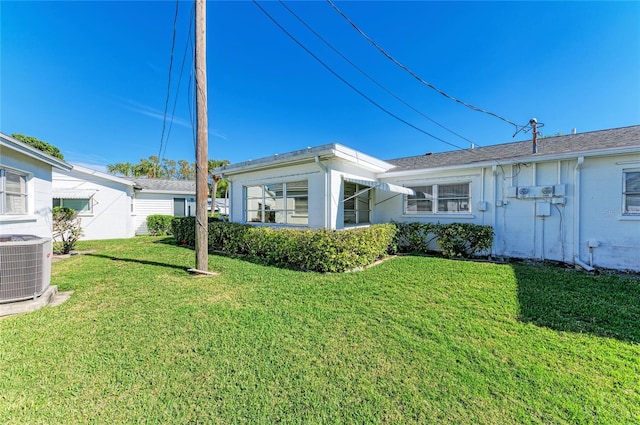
x: 159, y: 225
x: 301, y: 249
x: 463, y: 239
x: 414, y: 236
x: 183, y: 229
x: 66, y: 229
x: 455, y: 239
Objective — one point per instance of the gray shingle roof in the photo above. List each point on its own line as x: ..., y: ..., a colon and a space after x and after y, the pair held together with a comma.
x: 178, y: 186
x: 574, y: 143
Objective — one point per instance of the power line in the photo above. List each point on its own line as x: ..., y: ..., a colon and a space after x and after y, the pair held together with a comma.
x: 417, y: 77
x: 398, y: 98
x: 175, y: 99
x: 166, y: 104
x: 349, y: 84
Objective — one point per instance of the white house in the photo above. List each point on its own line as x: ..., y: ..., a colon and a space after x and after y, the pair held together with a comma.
x: 159, y: 196
x: 104, y: 203
x: 576, y: 200
x: 26, y: 227
x: 112, y: 207
x: 25, y: 188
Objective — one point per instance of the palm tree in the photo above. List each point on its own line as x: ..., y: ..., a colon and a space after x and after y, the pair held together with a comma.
x: 121, y: 168
x: 215, y: 178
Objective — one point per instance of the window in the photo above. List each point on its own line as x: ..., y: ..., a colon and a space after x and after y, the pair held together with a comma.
x: 631, y: 192
x: 80, y: 205
x: 279, y: 203
x: 357, y: 208
x: 438, y: 198
x: 13, y: 192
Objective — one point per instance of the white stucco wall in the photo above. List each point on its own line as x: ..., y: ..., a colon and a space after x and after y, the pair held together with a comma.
x: 521, y: 233
x: 111, y: 216
x: 523, y: 229
x: 38, y: 219
x: 601, y: 217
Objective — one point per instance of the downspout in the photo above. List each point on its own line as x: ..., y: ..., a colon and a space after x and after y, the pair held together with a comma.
x: 327, y: 195
x: 494, y: 170
x: 576, y: 216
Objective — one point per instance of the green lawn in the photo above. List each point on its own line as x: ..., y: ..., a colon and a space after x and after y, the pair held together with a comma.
x: 412, y: 340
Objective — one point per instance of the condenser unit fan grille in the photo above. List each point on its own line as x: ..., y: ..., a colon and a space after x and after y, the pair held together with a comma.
x: 24, y: 267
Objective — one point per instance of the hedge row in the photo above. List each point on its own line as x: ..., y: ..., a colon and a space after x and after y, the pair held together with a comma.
x: 317, y: 250
x: 324, y: 250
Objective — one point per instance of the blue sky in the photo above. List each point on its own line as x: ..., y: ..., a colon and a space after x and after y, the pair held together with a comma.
x: 91, y: 77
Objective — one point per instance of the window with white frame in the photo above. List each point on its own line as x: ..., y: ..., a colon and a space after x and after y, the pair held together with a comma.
x: 439, y: 199
x: 13, y: 192
x: 631, y: 192
x: 79, y: 205
x: 278, y: 203
x: 356, y: 200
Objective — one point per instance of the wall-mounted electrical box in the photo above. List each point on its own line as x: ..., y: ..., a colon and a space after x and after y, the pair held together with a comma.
x: 535, y: 192
x: 560, y: 190
x: 483, y: 206
x: 559, y: 201
x: 543, y: 209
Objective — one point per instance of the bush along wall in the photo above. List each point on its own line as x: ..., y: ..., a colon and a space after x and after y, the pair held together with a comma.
x: 159, y: 225
x: 454, y: 240
x: 317, y: 250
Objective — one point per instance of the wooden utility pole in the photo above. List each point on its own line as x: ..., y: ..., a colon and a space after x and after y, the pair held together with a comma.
x: 534, y: 127
x: 202, y: 139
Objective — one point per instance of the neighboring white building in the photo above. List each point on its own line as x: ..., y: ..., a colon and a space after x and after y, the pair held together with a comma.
x: 103, y: 202
x: 112, y: 207
x: 576, y: 200
x: 158, y: 196
x: 25, y: 188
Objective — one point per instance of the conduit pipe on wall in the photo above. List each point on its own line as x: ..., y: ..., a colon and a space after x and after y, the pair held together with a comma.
x: 327, y: 192
x: 494, y: 170
x: 576, y: 216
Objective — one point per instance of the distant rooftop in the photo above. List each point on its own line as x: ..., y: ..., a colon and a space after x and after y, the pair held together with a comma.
x: 164, y: 185
x: 573, y: 143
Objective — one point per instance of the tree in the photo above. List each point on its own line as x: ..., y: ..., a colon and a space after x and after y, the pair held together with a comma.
x: 186, y: 170
x: 168, y: 169
x: 66, y: 229
x: 215, y: 178
x: 121, y: 168
x: 152, y: 167
x: 39, y: 144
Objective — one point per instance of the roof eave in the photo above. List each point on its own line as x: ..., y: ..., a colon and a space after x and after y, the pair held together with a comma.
x: 514, y: 160
x: 323, y: 152
x: 32, y: 152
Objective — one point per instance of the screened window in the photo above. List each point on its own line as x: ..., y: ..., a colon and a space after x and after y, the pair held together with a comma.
x: 357, y: 208
x: 439, y: 198
x: 278, y: 203
x: 81, y: 205
x: 631, y: 192
x: 13, y: 192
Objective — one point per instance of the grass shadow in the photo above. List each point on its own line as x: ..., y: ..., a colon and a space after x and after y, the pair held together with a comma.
x: 135, y: 260
x: 573, y: 301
